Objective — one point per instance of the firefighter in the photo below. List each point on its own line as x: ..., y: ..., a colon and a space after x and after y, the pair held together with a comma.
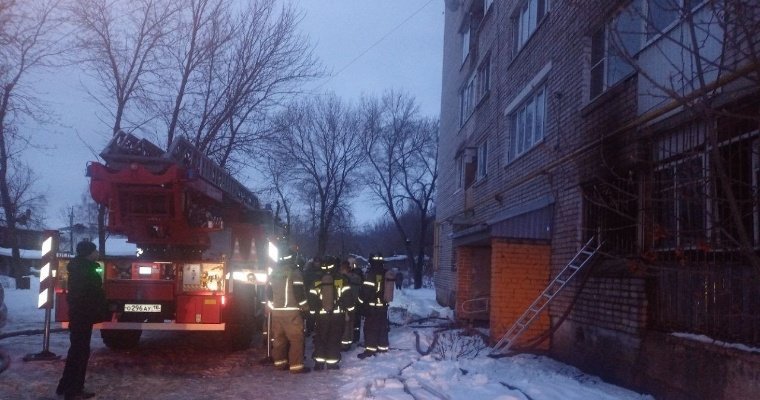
x: 376, y: 294
x: 358, y: 275
x: 312, y: 271
x: 286, y: 300
x: 328, y: 316
x: 349, y: 300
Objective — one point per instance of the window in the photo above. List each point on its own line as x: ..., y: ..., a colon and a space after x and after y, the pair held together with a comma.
x: 484, y: 77
x: 465, y: 35
x: 679, y: 190
x: 460, y: 172
x: 467, y: 163
x: 611, y: 45
x: 527, y: 19
x: 618, y: 41
x: 466, y: 100
x: 690, y: 203
x: 476, y: 88
x: 469, y: 30
x: 660, y: 14
x: 482, y: 160
x: 487, y: 5
x: 528, y: 122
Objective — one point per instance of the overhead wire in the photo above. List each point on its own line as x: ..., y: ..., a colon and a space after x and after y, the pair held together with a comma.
x: 373, y: 45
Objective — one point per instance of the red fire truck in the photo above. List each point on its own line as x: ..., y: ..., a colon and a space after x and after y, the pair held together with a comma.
x: 203, y: 242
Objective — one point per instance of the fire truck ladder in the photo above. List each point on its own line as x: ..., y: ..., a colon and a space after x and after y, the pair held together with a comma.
x: 126, y: 148
x: 584, y: 255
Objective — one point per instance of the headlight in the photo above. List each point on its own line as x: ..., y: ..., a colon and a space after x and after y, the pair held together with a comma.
x: 274, y: 253
x: 261, y: 277
x: 249, y: 276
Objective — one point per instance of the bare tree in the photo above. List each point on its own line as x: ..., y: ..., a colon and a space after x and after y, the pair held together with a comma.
x: 401, y: 148
x: 30, y: 35
x: 118, y: 44
x: 281, y: 184
x: 29, y: 202
x: 202, y: 29
x: 82, y: 217
x: 319, y: 138
x: 238, y: 65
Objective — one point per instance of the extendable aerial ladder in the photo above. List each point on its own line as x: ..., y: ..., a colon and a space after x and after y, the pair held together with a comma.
x: 581, y: 259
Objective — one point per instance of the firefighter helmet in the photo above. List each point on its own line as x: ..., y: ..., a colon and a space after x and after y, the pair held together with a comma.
x: 329, y: 263
x: 376, y: 259
x: 287, y: 259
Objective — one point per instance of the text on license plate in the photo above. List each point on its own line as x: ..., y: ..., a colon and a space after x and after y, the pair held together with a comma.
x: 142, y: 307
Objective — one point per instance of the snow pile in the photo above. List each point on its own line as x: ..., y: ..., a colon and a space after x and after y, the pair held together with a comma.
x: 457, y: 367
x: 415, y: 304
x: 23, y: 313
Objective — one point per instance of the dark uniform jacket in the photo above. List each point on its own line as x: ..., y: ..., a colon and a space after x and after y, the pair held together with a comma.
x: 86, y: 298
x: 286, y: 291
x: 373, y: 290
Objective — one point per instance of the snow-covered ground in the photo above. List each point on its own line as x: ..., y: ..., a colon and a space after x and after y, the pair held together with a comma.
x: 457, y: 368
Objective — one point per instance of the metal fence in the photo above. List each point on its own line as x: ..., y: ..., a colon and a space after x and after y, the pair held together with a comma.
x: 719, y: 301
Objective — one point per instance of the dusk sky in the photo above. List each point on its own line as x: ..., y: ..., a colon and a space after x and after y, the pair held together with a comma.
x: 366, y: 46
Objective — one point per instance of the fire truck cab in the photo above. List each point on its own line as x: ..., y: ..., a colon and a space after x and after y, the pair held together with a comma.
x: 203, y: 244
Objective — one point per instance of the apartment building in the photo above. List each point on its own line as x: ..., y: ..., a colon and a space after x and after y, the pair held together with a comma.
x: 634, y: 122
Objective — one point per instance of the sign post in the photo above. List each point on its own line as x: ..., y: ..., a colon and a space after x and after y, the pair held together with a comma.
x: 49, y: 260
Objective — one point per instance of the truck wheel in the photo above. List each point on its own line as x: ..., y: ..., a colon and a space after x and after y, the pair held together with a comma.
x: 121, y: 339
x: 238, y: 336
x: 241, y: 319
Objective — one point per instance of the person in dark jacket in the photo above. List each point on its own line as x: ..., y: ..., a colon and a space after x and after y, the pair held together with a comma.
x: 376, y: 308
x: 286, y: 300
x: 87, y: 306
x: 327, y: 295
x: 350, y: 299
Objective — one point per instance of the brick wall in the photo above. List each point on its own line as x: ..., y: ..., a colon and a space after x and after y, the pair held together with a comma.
x: 519, y: 273
x: 602, y: 331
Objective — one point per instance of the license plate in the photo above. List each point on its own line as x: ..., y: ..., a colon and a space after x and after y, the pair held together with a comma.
x: 142, y: 307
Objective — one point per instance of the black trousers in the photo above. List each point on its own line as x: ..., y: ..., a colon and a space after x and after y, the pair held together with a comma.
x: 72, y: 381
x: 349, y: 324
x: 327, y: 336
x: 376, y: 328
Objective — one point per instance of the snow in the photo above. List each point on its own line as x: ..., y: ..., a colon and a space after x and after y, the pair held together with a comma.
x: 116, y: 246
x: 715, y: 342
x: 25, y: 254
x: 458, y: 368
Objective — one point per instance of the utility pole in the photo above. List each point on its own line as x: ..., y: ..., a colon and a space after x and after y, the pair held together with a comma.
x: 71, y: 231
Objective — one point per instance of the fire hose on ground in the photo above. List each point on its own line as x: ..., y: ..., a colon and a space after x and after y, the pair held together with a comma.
x: 5, y: 360
x: 436, y: 333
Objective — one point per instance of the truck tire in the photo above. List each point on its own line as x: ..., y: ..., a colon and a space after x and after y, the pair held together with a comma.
x: 242, y: 322
x: 238, y: 336
x: 121, y: 339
